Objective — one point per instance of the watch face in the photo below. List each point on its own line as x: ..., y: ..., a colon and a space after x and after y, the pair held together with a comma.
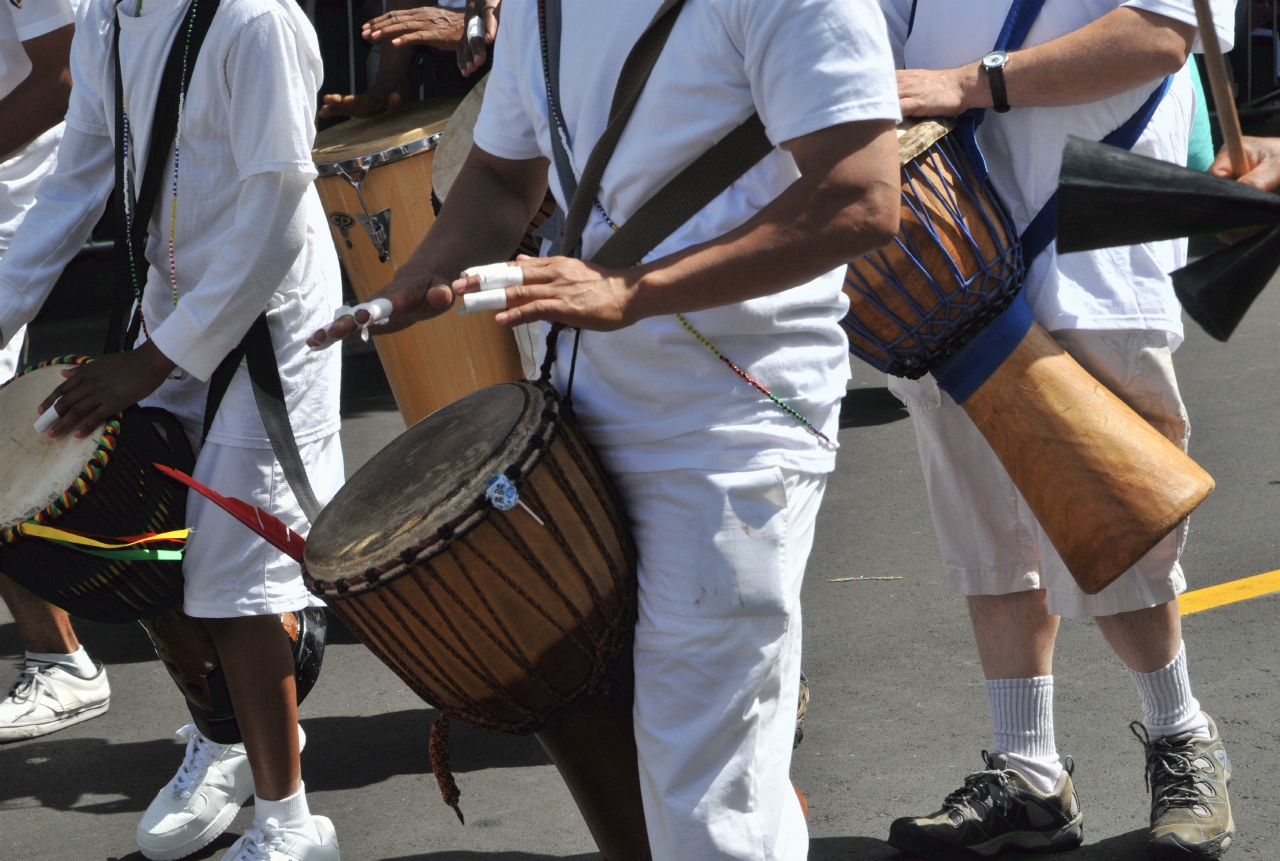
x: 995, y: 60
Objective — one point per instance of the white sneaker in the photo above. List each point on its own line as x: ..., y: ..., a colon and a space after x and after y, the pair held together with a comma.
x: 267, y: 841
x: 49, y: 697
x: 211, y: 785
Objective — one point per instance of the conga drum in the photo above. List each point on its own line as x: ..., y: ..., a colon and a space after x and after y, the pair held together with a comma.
x: 945, y: 298
x: 485, y: 558
x: 375, y: 183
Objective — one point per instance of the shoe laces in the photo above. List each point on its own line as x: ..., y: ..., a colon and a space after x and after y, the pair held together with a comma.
x: 1170, y: 774
x: 200, y: 755
x: 33, y: 682
x: 260, y: 841
x: 989, y: 788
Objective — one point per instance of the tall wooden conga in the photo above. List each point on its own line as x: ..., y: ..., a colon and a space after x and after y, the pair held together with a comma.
x: 375, y: 182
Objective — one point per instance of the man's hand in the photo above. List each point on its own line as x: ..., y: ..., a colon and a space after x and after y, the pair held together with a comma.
x: 569, y: 291
x: 945, y: 93
x: 97, y: 391
x: 412, y: 301
x: 424, y: 25
x: 370, y: 104
x: 473, y: 51
x: 1264, y: 155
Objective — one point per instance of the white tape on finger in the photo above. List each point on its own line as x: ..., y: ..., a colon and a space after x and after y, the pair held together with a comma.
x: 47, y: 418
x: 343, y: 311
x: 492, y: 300
x: 496, y: 276
x: 475, y: 29
x: 379, y: 310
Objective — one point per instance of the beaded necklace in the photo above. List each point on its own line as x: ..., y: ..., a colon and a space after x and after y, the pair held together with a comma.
x: 562, y: 130
x: 177, y: 150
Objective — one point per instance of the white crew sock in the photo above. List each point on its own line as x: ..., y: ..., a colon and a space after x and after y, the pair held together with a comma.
x: 292, y: 813
x: 77, y: 662
x: 1022, y: 711
x: 1168, y: 708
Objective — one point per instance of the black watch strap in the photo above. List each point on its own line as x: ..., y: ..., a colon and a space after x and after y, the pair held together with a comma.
x: 994, y: 64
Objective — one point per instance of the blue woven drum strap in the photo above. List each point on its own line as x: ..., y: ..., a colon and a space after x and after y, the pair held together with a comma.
x: 970, y: 368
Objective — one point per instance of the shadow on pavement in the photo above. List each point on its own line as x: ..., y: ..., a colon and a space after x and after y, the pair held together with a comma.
x: 862, y: 408
x: 214, y: 849
x: 89, y: 775
x: 109, y: 644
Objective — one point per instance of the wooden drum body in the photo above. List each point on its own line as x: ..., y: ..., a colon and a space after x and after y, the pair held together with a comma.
x: 375, y: 183
x: 1103, y: 483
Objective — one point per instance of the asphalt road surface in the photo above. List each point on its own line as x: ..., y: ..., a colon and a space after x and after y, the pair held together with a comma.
x: 898, y: 715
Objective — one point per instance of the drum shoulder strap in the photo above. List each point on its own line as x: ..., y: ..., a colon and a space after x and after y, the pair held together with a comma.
x: 130, y: 249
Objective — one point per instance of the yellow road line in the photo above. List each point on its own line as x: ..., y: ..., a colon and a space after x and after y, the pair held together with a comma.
x: 1229, y: 593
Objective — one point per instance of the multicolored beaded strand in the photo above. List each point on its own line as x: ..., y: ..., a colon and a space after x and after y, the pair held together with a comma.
x: 177, y: 150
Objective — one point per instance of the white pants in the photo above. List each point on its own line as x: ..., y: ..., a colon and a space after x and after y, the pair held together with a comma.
x: 10, y: 354
x: 717, y: 658
x: 230, y: 571
x: 991, y: 543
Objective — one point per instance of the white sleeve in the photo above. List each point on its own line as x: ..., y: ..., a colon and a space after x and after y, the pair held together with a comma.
x: 847, y: 72
x: 897, y: 15
x: 69, y: 202
x: 270, y: 232
x: 504, y: 127
x: 1224, y: 17
x: 38, y: 17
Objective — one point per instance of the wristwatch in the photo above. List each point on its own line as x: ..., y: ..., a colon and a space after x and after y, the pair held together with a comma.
x: 994, y: 63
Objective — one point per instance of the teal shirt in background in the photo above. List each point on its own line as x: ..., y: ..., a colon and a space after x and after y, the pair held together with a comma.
x: 1200, y: 148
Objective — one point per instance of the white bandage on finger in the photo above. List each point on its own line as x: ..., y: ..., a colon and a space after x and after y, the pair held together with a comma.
x: 47, y: 418
x: 492, y: 300
x: 497, y: 276
x: 475, y: 29
x: 343, y: 311
x: 379, y: 310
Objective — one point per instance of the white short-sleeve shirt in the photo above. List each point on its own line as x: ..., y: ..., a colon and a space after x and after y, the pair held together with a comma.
x: 1114, y: 288
x: 650, y: 396
x: 20, y: 173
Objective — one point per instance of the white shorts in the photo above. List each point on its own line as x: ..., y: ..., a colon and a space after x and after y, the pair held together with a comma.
x: 991, y: 543
x: 717, y: 657
x: 230, y: 571
x: 10, y: 354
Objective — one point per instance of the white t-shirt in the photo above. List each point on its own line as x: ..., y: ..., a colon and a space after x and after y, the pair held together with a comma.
x: 21, y: 173
x: 1113, y: 288
x: 650, y: 397
x: 249, y: 109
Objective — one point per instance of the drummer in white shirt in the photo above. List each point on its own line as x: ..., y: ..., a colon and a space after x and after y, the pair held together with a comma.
x: 722, y: 485
x: 1085, y: 69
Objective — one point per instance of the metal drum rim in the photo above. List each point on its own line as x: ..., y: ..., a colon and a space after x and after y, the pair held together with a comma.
x: 476, y: 513
x: 371, y: 160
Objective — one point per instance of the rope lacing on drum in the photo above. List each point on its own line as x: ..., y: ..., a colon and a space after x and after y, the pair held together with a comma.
x: 33, y: 683
x: 195, y: 763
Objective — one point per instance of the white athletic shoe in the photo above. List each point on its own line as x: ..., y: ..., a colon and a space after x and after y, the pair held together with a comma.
x: 49, y: 697
x: 212, y: 784
x: 267, y: 841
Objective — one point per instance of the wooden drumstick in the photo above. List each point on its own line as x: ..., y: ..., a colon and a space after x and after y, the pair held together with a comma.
x: 1223, y: 97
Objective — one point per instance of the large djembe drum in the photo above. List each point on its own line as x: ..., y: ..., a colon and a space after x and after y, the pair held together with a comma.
x: 375, y: 183
x: 485, y: 558
x: 945, y: 297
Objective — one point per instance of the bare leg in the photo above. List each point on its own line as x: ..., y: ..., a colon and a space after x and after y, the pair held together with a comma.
x: 1015, y: 634
x: 1145, y: 640
x: 257, y: 661
x: 43, y: 627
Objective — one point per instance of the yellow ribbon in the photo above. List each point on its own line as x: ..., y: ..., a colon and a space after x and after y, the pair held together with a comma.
x: 35, y: 530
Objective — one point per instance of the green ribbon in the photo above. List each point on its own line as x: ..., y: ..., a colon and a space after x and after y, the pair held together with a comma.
x: 128, y: 554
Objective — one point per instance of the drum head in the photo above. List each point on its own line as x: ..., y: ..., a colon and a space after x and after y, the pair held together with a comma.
x: 427, y: 477
x: 34, y: 469
x: 358, y: 138
x: 916, y: 136
x: 456, y: 140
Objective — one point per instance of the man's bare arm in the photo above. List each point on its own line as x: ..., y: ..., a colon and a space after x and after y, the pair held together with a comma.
x: 1120, y: 51
x: 40, y: 102
x: 844, y: 204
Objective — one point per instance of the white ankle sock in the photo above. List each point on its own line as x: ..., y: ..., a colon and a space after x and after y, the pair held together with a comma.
x: 1168, y: 708
x: 292, y: 813
x: 77, y: 662
x: 1022, y: 711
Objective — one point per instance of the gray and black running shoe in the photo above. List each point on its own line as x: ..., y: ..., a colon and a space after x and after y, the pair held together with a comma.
x: 995, y: 810
x: 1190, y: 809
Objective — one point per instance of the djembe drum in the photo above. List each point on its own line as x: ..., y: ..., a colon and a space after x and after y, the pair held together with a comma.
x: 945, y: 298
x: 91, y: 527
x: 375, y: 183
x: 485, y: 558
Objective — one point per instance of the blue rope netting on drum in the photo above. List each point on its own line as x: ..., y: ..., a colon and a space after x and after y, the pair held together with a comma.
x: 954, y: 267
